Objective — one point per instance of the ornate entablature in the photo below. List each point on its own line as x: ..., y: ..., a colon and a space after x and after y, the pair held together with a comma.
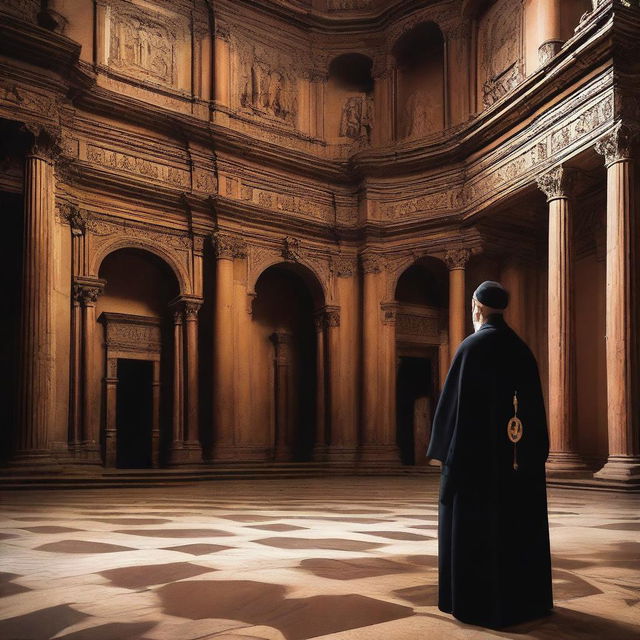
x: 17, y: 98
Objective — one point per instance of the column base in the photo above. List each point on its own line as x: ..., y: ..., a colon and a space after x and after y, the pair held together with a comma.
x: 239, y: 453
x: 282, y: 454
x: 320, y: 453
x: 620, y: 470
x: 567, y: 465
x: 34, y: 462
x: 379, y: 453
x: 185, y: 453
x: 336, y: 453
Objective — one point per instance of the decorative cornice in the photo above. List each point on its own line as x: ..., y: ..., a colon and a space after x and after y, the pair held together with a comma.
x: 227, y: 246
x: 457, y: 258
x: 556, y: 183
x: 617, y: 144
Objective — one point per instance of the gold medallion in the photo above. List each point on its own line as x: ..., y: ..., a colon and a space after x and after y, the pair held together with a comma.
x: 514, y: 429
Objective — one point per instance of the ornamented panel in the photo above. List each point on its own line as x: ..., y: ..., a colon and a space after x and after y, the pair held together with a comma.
x: 15, y: 96
x: 411, y: 324
x: 423, y: 205
x: 285, y: 202
x: 131, y: 333
x: 266, y: 83
x: 349, y: 5
x: 139, y: 166
x: 499, y: 49
x: 24, y: 9
x: 143, y: 43
x: 356, y: 121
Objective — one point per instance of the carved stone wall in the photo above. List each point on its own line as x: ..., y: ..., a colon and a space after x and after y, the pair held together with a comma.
x: 499, y: 51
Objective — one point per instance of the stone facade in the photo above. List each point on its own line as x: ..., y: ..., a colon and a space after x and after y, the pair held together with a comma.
x: 373, y: 179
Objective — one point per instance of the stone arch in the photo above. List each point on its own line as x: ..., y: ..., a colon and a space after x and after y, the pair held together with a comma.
x: 398, y: 268
x: 116, y: 243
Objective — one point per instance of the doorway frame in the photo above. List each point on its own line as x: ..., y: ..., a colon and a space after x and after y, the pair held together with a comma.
x: 131, y: 337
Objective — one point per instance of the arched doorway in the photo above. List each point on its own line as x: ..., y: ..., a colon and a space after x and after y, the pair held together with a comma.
x: 135, y: 350
x: 421, y: 346
x: 285, y: 361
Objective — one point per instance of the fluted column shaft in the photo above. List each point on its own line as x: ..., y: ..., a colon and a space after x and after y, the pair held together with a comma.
x: 37, y: 366
x: 623, y: 463
x: 282, y: 340
x: 192, y: 378
x: 178, y: 372
x: 456, y: 261
x: 320, y: 445
x: 563, y: 459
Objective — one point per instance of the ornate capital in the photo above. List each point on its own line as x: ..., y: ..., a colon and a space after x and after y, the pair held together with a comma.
x: 78, y: 219
x: 226, y: 246
x: 88, y: 290
x: 556, y: 183
x: 371, y: 262
x: 457, y: 258
x: 291, y: 250
x: 616, y: 145
x: 343, y: 266
x: 222, y: 31
x: 332, y: 317
x: 46, y: 142
x: 186, y: 307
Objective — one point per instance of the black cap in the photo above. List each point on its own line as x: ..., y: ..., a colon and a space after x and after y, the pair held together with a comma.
x: 492, y: 294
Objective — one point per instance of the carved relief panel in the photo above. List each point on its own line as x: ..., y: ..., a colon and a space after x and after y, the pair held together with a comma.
x: 499, y: 50
x: 266, y: 84
x: 147, y: 44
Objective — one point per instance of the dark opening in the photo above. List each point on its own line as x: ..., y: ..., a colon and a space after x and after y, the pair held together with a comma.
x: 419, y: 46
x: 414, y: 384
x: 11, y: 283
x: 352, y: 71
x: 134, y: 414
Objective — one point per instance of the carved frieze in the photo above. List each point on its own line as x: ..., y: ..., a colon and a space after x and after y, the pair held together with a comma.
x: 136, y: 165
x: 349, y: 5
x: 131, y: 333
x: 423, y: 205
x: 287, y: 202
x: 411, y: 324
x: 15, y: 96
x: 143, y: 43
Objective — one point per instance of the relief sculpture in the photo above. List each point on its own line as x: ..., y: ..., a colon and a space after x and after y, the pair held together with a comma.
x: 267, y: 86
x: 419, y: 114
x: 143, y: 46
x: 357, y: 118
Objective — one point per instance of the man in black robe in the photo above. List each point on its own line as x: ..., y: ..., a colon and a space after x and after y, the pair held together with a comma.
x: 490, y: 433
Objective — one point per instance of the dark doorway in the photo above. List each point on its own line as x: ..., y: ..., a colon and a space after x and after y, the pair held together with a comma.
x: 414, y: 408
x: 11, y: 208
x: 134, y: 414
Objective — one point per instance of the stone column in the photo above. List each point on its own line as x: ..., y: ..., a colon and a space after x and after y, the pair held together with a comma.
x: 456, y: 261
x: 281, y: 340
x: 623, y: 463
x: 155, y: 416
x: 563, y: 460
x: 332, y: 364
x: 226, y: 248
x: 177, y: 431
x: 320, y: 446
x: 186, y: 447
x: 36, y: 390
x: 88, y: 289
x: 388, y: 377
x: 383, y: 106
x: 371, y: 268
x: 549, y: 30
x: 221, y: 75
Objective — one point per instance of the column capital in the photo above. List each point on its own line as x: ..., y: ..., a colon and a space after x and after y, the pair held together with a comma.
x: 227, y: 246
x: 78, y: 219
x: 326, y: 317
x: 45, y: 143
x: 186, y: 306
x: 344, y: 266
x: 87, y: 290
x: 457, y: 258
x: 556, y: 183
x: 371, y: 262
x: 616, y: 145
x: 389, y: 312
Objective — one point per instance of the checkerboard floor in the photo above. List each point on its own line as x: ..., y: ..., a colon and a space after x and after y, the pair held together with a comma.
x: 333, y: 558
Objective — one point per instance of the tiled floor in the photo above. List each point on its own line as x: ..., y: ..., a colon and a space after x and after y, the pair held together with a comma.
x: 339, y: 558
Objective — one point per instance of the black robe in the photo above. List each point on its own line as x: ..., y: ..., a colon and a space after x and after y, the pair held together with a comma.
x: 493, y: 532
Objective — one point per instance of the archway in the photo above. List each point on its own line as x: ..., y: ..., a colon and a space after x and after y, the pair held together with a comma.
x: 285, y: 361
x: 421, y: 346
x: 420, y: 86
x: 135, y: 350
